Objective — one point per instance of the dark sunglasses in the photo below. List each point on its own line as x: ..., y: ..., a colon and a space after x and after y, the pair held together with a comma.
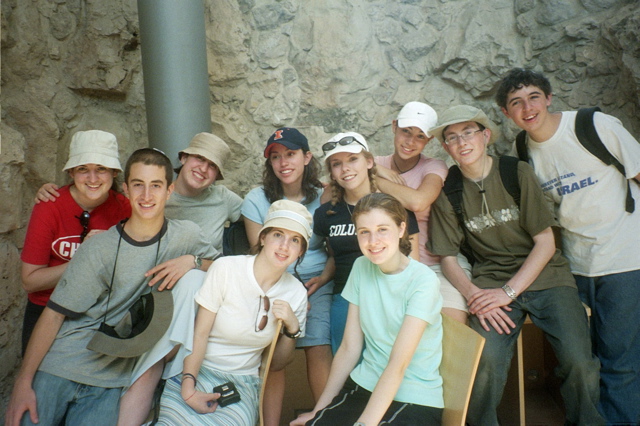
x: 263, y: 318
x: 84, y: 222
x: 344, y: 141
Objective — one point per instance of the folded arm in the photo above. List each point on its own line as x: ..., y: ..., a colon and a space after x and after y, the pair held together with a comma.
x: 496, y: 317
x: 415, y: 200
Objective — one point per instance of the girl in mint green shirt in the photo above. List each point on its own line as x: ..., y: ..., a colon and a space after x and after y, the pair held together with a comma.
x: 394, y: 314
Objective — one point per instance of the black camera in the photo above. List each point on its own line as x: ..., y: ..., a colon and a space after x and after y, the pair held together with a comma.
x: 228, y: 394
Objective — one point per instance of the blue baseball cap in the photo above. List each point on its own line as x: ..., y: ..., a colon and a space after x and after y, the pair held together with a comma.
x: 288, y: 137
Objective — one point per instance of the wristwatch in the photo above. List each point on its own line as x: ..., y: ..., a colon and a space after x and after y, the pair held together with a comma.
x: 510, y: 292
x: 290, y: 335
x: 197, y: 260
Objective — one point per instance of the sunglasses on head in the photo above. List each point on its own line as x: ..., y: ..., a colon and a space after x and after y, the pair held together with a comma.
x: 348, y: 140
x: 84, y: 222
x: 263, y: 308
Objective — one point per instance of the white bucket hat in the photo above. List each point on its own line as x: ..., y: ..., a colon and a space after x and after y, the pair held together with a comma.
x: 290, y: 215
x: 93, y: 147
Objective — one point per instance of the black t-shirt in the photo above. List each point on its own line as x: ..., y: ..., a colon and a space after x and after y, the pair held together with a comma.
x: 341, y: 234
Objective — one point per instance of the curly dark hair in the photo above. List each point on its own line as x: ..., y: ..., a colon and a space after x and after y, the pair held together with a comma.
x: 518, y: 78
x: 310, y: 182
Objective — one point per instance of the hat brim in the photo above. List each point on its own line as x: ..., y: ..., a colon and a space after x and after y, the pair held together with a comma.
x: 410, y: 122
x: 203, y: 153
x: 488, y: 124
x: 289, y: 223
x: 142, y: 342
x: 289, y: 145
x: 352, y: 148
x: 92, y: 158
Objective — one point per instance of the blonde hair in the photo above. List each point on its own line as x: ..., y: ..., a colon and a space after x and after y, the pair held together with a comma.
x: 337, y: 192
x: 392, y: 207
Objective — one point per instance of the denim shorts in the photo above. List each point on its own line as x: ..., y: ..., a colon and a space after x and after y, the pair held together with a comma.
x: 318, y: 329
x: 82, y: 404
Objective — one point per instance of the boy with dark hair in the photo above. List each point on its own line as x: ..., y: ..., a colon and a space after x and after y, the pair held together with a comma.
x: 60, y: 376
x: 600, y: 237
x: 517, y: 271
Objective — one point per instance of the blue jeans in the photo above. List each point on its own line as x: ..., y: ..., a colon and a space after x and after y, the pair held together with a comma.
x: 615, y: 333
x: 339, y: 310
x: 560, y: 315
x: 82, y: 404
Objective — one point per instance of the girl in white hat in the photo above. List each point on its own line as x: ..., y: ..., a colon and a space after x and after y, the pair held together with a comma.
x: 352, y: 171
x: 88, y: 205
x: 240, y: 302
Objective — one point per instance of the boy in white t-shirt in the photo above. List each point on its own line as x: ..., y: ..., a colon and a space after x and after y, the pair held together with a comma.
x: 599, y: 236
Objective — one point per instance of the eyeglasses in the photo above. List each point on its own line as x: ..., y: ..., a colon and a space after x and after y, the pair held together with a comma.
x: 348, y: 140
x: 84, y: 222
x: 263, y: 309
x: 465, y: 136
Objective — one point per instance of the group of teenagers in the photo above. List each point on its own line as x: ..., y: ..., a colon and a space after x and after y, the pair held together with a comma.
x: 358, y: 272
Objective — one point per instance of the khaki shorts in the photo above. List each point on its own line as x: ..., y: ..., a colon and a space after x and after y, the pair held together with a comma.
x: 451, y: 297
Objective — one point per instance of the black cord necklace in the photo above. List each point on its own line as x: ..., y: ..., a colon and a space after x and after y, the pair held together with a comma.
x: 398, y: 167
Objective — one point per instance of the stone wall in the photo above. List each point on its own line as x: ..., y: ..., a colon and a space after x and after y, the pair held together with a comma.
x: 322, y: 66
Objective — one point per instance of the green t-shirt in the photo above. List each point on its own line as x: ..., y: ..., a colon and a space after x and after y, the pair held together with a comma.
x: 384, y: 301
x: 502, y: 239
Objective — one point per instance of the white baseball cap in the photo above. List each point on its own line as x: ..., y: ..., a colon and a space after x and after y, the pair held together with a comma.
x: 351, y: 142
x: 417, y: 114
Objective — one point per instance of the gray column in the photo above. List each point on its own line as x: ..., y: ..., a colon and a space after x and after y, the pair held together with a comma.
x: 174, y: 65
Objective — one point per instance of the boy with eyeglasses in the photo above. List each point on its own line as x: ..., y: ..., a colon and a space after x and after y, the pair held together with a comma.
x: 517, y: 271
x: 600, y: 230
x: 60, y: 376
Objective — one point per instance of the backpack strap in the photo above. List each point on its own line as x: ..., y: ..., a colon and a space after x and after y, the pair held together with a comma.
x: 589, y: 138
x: 453, y: 190
x: 509, y: 174
x: 521, y: 146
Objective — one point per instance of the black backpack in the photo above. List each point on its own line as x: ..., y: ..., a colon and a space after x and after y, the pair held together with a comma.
x: 508, y: 167
x: 588, y: 137
x: 234, y: 239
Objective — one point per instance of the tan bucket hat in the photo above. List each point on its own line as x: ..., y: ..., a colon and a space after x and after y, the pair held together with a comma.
x: 462, y: 114
x: 210, y: 147
x: 290, y: 215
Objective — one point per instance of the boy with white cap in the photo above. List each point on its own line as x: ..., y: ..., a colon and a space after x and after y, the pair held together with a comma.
x: 416, y: 180
x: 518, y: 270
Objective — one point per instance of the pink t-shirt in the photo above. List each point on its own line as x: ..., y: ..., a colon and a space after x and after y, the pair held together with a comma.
x: 53, y: 235
x: 414, y: 178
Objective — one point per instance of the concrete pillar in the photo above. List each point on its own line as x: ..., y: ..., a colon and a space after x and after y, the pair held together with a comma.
x: 174, y: 65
